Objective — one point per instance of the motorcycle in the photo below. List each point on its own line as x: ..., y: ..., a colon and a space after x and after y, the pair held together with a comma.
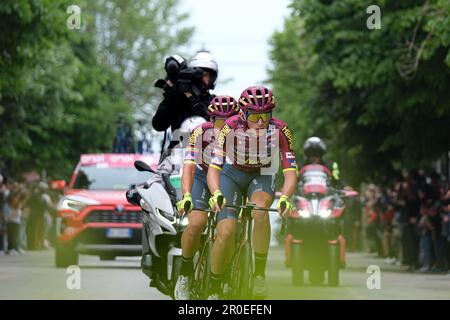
x: 162, y: 228
x: 315, y: 237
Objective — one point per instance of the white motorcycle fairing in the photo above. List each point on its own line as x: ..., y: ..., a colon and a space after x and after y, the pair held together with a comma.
x: 160, y: 223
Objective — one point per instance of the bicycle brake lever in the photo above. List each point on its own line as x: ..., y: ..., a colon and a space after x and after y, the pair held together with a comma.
x: 220, y: 201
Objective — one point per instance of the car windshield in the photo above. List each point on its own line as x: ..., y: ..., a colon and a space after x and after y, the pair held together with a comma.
x: 107, y: 178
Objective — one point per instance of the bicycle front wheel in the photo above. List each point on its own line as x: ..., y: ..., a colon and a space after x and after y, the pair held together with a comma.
x: 203, y: 271
x: 245, y: 286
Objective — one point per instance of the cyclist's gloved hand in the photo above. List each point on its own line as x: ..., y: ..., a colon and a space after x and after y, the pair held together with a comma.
x: 284, y: 205
x: 186, y: 202
x: 213, y: 201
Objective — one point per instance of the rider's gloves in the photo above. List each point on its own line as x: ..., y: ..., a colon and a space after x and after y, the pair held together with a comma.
x: 214, y: 199
x: 181, y: 204
x: 287, y: 204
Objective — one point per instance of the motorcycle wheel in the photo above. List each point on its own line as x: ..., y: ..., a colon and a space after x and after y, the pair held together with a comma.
x: 203, y: 273
x: 176, y: 271
x: 297, y: 264
x: 333, y: 267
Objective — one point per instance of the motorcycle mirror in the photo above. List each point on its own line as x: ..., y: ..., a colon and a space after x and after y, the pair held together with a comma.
x: 142, y: 166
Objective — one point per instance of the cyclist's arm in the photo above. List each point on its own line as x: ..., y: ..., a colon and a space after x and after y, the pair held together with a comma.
x: 192, y: 157
x: 290, y: 183
x: 217, y: 160
x: 187, y: 179
x: 213, y: 179
x: 288, y: 162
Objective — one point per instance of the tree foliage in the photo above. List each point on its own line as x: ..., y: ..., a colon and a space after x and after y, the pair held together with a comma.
x: 135, y: 37
x: 58, y: 96
x: 379, y: 98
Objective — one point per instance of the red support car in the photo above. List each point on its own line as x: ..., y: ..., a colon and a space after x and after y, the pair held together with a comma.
x: 94, y: 216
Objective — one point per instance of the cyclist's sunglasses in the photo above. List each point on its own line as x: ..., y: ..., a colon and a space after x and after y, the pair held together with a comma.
x: 254, y: 117
x: 218, y: 122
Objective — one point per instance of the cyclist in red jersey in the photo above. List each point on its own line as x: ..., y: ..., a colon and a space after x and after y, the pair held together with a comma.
x: 244, y: 164
x: 194, y: 188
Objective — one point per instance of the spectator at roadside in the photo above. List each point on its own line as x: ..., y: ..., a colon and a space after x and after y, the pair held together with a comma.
x: 446, y: 226
x: 412, y: 214
x: 372, y: 220
x: 123, y: 142
x: 143, y: 139
x: 437, y: 236
x: 353, y: 225
x: 15, y: 201
x: 38, y: 205
x: 387, y: 217
x: 426, y: 243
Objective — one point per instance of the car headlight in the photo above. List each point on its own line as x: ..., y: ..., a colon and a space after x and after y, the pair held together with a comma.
x: 75, y: 203
x: 304, y: 213
x: 324, y: 213
x: 70, y: 204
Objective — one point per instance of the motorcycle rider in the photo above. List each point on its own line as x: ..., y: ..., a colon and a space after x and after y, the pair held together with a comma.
x: 314, y: 150
x: 151, y: 265
x: 194, y: 188
x: 245, y: 175
x: 184, y: 99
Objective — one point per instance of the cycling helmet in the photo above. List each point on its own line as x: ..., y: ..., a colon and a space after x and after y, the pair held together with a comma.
x: 257, y: 99
x: 223, y: 106
x: 205, y: 60
x: 314, y: 146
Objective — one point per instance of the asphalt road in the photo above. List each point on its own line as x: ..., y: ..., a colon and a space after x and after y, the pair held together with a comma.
x: 33, y: 276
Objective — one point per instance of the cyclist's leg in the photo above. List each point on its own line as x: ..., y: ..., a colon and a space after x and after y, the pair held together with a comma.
x: 197, y: 218
x: 226, y: 229
x: 261, y: 191
x: 190, y: 238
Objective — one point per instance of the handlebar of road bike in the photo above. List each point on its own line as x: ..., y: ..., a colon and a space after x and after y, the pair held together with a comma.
x: 248, y: 205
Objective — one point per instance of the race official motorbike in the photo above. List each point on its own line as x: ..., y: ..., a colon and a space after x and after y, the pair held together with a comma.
x: 162, y: 228
x: 315, y: 237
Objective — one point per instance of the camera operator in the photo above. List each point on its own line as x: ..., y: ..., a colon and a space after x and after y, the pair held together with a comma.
x: 186, y: 93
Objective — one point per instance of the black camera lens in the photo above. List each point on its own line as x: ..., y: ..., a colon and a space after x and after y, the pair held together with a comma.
x: 172, y: 67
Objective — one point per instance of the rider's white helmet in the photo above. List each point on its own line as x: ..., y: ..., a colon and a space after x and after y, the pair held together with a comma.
x: 204, y: 59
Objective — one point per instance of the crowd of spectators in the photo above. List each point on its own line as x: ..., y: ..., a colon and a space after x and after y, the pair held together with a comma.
x: 407, y: 221
x: 27, y: 215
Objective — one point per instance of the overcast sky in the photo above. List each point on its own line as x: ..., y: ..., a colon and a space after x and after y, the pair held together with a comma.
x: 237, y: 33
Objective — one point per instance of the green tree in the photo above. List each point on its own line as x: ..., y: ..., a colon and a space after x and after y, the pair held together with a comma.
x: 60, y: 92
x: 378, y: 97
x: 56, y: 100
x: 135, y: 37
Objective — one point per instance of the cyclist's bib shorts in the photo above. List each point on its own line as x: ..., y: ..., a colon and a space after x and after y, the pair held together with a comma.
x: 236, y: 184
x: 200, y: 193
